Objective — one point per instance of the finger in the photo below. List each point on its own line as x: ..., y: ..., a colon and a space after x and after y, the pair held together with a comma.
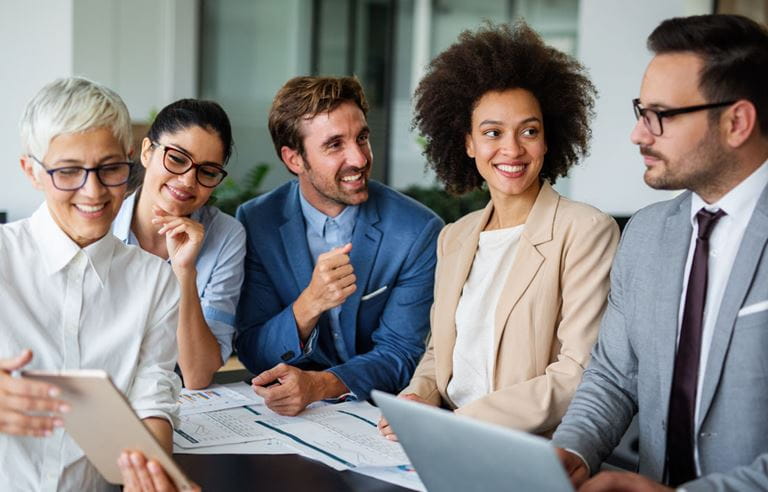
x: 342, y: 271
x: 160, y: 479
x: 341, y: 250
x: 413, y: 397
x: 17, y: 362
x: 159, y: 212
x: 289, y: 409
x: 139, y: 464
x: 346, y: 281
x: 26, y: 387
x: 348, y: 291
x: 179, y: 230
x: 170, y: 224
x: 22, y: 425
x: 130, y: 480
x: 30, y: 404
x: 276, y: 393
x: 271, y: 375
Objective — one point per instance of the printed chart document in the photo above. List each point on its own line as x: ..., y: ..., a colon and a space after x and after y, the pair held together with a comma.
x: 230, y: 426
x: 215, y: 397
x: 342, y: 436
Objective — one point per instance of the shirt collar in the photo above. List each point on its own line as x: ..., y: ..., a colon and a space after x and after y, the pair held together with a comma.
x: 58, y: 250
x: 121, y: 227
x: 315, y: 219
x: 740, y: 202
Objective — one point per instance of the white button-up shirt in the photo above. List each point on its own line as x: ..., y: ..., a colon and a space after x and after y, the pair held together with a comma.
x: 739, y: 204
x: 107, y: 306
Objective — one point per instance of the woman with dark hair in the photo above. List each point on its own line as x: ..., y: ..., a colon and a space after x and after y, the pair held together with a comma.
x: 184, y: 155
x: 520, y: 286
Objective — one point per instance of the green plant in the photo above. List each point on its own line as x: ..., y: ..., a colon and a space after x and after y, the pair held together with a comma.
x: 449, y: 207
x: 230, y: 193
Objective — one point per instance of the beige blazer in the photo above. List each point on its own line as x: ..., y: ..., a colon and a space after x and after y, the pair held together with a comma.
x: 546, y: 319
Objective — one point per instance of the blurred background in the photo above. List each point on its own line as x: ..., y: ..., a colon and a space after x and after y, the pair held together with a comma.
x: 239, y: 52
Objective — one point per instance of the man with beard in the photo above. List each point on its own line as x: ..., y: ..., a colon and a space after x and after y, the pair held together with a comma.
x: 683, y: 339
x: 339, y: 269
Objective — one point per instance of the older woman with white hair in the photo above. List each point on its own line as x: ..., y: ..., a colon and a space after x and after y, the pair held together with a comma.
x: 76, y: 297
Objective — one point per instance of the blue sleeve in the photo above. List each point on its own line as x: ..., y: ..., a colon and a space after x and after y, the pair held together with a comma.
x: 399, y: 340
x: 219, y: 296
x: 266, y: 328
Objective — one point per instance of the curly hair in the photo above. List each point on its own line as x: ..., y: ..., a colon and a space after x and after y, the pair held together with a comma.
x: 498, y: 58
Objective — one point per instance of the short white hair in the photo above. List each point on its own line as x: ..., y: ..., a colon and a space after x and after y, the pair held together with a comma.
x: 72, y: 105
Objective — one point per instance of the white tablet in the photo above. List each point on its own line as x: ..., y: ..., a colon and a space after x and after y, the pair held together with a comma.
x: 103, y: 423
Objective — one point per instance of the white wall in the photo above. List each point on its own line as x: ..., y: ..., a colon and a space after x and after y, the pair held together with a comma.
x: 612, y: 36
x: 35, y: 48
x: 146, y: 50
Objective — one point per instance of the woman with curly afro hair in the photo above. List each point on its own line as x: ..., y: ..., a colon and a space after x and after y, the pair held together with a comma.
x: 520, y: 286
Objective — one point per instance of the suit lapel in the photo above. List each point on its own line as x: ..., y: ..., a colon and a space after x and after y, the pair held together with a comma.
x: 456, y: 263
x: 528, y: 260
x: 739, y: 281
x: 670, y: 262
x: 366, y: 239
x: 293, y: 234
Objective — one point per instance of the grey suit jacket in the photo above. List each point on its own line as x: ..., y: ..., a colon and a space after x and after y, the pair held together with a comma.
x: 631, y: 367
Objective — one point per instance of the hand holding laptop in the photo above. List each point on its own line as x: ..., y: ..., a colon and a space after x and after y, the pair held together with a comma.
x: 26, y: 406
x: 383, y: 425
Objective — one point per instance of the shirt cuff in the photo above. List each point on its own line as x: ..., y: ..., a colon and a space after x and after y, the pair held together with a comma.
x: 573, y: 451
x: 309, y: 346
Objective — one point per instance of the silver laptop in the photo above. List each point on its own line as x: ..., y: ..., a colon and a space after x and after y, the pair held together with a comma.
x: 456, y: 453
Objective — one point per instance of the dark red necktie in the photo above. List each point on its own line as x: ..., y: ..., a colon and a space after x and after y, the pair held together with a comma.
x: 681, y: 466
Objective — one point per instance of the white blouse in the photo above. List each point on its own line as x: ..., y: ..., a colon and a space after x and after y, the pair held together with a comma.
x: 472, y: 353
x: 106, y: 306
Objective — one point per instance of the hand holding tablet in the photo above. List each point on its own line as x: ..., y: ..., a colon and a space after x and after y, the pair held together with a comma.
x: 26, y: 406
x: 111, y: 435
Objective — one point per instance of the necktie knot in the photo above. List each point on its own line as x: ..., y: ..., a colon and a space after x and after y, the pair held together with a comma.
x: 707, y: 221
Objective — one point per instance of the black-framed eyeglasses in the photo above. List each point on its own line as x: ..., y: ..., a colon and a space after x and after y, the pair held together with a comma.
x: 652, y: 117
x: 71, y: 178
x: 178, y: 162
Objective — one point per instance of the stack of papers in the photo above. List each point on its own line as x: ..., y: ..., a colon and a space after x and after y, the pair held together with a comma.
x: 232, y: 419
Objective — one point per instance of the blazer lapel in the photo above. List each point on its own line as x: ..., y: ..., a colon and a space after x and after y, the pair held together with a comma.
x: 528, y: 260
x: 366, y: 239
x: 744, y: 267
x: 456, y: 264
x: 293, y: 234
x: 670, y: 264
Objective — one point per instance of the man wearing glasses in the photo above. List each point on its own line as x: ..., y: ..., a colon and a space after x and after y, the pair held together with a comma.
x: 683, y: 339
x: 74, y: 297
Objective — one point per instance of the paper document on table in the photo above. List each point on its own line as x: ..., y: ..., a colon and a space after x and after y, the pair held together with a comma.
x: 344, y: 434
x: 213, y: 398
x: 230, y: 426
x: 263, y: 446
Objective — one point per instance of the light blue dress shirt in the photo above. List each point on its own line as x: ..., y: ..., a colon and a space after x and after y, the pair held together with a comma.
x: 324, y: 234
x: 219, y: 266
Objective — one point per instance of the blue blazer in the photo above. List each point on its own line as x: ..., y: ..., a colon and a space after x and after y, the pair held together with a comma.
x: 394, y: 257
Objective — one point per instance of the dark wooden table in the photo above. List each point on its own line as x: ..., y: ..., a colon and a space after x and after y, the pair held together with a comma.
x: 278, y: 473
